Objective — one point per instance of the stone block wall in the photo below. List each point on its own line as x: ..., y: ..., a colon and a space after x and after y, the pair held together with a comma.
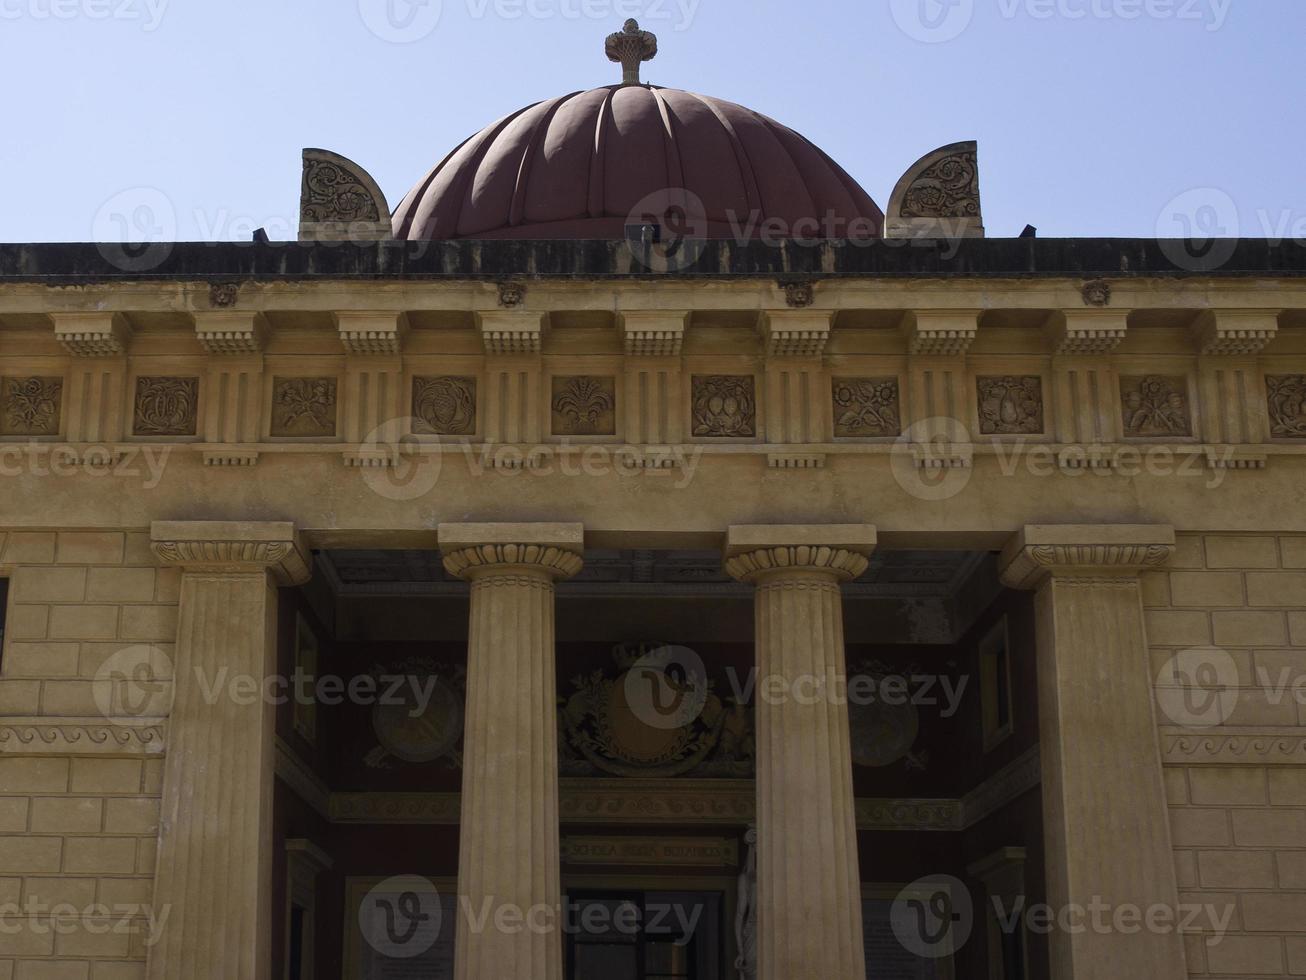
x: 1236, y: 781
x: 79, y: 791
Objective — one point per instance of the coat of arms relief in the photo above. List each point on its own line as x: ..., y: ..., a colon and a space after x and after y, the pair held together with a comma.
x: 654, y: 714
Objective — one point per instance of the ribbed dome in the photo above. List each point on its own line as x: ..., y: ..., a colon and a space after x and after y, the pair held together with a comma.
x: 588, y: 164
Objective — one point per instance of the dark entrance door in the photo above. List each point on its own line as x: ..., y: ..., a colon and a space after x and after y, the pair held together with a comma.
x: 644, y: 935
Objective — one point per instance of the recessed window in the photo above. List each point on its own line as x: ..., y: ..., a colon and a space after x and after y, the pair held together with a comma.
x: 995, y: 684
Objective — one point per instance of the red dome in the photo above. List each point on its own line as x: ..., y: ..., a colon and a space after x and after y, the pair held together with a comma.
x: 589, y: 164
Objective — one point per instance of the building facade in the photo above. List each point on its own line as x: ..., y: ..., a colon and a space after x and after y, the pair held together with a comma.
x: 548, y: 582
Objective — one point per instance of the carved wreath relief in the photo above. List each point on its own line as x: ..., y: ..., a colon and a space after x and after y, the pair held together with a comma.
x: 166, y: 406
x: 444, y: 406
x: 31, y: 406
x: 332, y: 193
x: 866, y: 407
x: 946, y: 189
x: 303, y: 406
x: 724, y: 406
x: 1286, y: 396
x: 1155, y: 405
x: 1010, y: 405
x: 584, y: 406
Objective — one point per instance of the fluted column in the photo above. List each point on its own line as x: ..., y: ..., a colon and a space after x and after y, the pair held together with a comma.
x: 1106, y: 829
x: 215, y: 836
x: 808, y: 884
x: 508, y: 856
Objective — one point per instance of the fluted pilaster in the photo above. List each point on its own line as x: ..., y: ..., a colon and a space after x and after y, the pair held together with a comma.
x: 809, y: 885
x: 509, y: 857
x: 1106, y: 829
x: 215, y: 838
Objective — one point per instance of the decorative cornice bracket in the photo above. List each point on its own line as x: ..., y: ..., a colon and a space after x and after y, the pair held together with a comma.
x: 92, y: 334
x: 949, y: 332
x: 794, y: 333
x: 231, y: 331
x: 1236, y: 332
x: 372, y: 333
x: 512, y: 332
x: 653, y: 334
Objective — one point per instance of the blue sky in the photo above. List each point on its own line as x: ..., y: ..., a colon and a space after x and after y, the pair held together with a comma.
x: 1093, y: 116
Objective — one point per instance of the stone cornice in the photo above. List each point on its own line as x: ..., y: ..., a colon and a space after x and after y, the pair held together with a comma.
x: 1231, y: 746
x: 232, y: 546
x: 1041, y: 550
x: 143, y: 737
x: 1010, y: 782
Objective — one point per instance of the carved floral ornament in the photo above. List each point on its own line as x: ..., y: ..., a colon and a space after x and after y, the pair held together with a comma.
x: 866, y: 407
x: 333, y: 192
x: 724, y: 406
x: 1155, y: 406
x: 303, y: 406
x: 948, y: 188
x: 166, y: 406
x: 444, y: 405
x: 1286, y: 399
x: 584, y: 406
x: 1010, y: 405
x: 30, y: 406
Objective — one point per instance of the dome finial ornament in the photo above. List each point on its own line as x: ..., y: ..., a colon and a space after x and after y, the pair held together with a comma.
x: 631, y: 46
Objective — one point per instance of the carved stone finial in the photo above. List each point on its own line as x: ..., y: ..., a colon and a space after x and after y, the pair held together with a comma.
x: 631, y: 46
x: 339, y: 201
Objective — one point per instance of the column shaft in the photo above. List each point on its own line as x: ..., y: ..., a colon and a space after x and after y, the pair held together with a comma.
x: 215, y: 838
x: 809, y: 886
x: 808, y: 879
x: 508, y: 851
x: 214, y: 877
x: 509, y: 860
x: 1106, y: 826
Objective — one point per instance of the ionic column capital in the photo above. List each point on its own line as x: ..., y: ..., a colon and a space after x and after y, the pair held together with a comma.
x: 1040, y: 551
x: 233, y: 546
x: 471, y: 550
x: 757, y: 551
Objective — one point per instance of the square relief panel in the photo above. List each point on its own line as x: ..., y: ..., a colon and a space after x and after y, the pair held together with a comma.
x: 30, y: 406
x: 724, y: 406
x: 1286, y: 397
x: 1155, y: 406
x: 866, y: 407
x: 584, y: 405
x: 303, y: 407
x: 1010, y: 405
x: 166, y: 406
x: 444, y: 405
